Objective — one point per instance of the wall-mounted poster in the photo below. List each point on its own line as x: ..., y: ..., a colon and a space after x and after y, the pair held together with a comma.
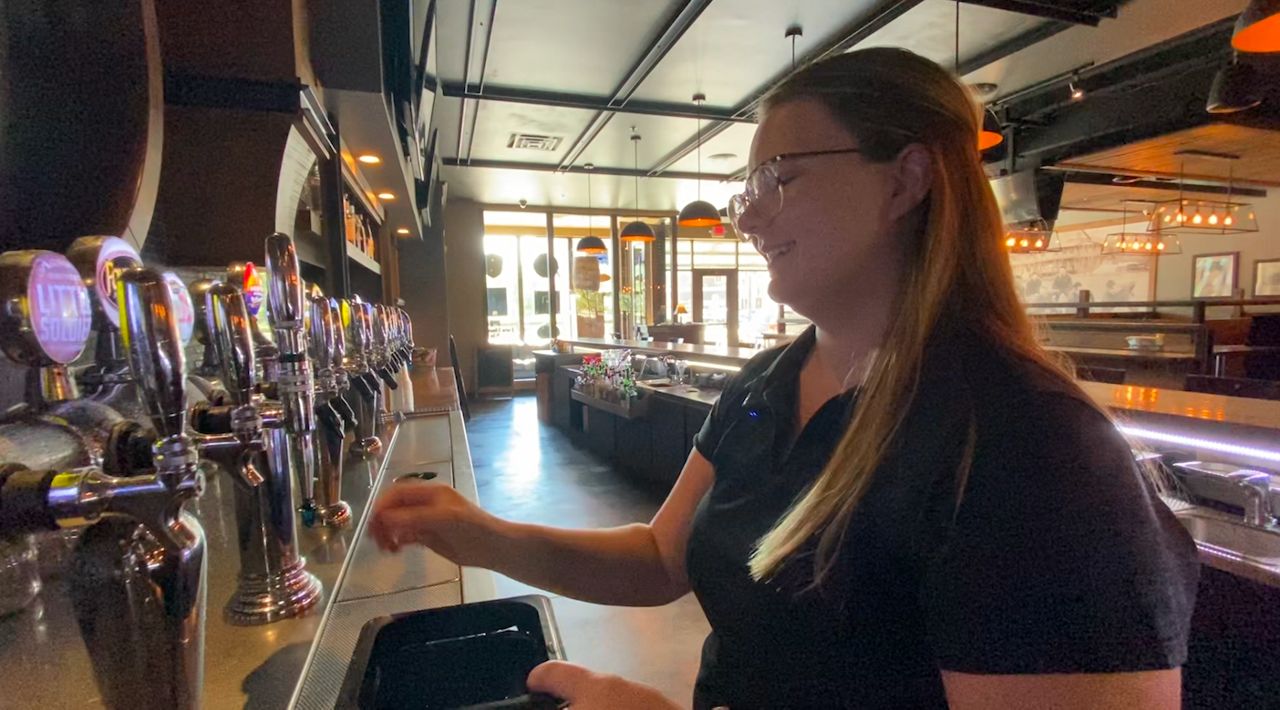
x: 1214, y: 275
x: 1080, y: 265
x: 1266, y: 277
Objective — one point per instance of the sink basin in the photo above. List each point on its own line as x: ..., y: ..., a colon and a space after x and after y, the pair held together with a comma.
x: 468, y: 656
x: 1232, y: 538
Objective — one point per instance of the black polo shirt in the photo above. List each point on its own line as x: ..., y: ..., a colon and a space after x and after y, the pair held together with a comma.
x: 1058, y: 559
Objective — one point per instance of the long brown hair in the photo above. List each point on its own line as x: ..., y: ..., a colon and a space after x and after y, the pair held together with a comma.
x: 955, y: 264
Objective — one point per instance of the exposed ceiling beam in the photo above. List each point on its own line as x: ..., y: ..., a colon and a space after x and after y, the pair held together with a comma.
x: 677, y: 24
x: 597, y: 170
x: 587, y: 102
x: 1048, y: 10
x: 467, y: 82
x: 1088, y: 175
x: 884, y: 13
x: 1012, y: 46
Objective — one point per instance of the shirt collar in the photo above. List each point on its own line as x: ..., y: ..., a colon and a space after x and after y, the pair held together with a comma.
x: 777, y: 383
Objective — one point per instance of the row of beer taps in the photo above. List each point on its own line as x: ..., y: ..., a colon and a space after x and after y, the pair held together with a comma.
x: 117, y: 466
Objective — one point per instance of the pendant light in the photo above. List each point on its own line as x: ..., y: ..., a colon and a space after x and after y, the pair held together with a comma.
x: 990, y: 134
x: 699, y: 213
x: 1234, y: 89
x: 590, y: 244
x: 1258, y: 28
x: 636, y: 231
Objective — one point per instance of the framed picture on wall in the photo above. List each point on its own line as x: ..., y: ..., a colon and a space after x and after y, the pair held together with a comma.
x: 1266, y: 277
x: 1214, y: 275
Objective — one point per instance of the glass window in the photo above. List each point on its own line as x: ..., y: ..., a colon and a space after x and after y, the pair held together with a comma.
x: 502, y: 289
x: 589, y: 304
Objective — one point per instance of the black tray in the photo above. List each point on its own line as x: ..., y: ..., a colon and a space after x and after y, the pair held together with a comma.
x: 469, y: 656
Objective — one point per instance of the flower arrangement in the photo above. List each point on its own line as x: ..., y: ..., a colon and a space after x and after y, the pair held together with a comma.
x: 608, y: 376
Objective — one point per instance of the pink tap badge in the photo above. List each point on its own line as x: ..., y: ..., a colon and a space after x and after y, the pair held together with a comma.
x: 58, y: 307
x: 114, y: 255
x: 184, y: 309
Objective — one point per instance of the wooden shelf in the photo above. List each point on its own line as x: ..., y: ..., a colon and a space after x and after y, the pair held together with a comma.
x: 638, y: 407
x: 363, y: 259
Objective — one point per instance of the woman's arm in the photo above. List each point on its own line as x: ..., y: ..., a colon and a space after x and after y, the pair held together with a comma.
x: 632, y: 565
x: 1144, y: 690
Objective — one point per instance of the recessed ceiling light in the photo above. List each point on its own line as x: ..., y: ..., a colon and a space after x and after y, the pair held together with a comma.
x: 723, y: 156
x: 369, y: 159
x: 985, y: 88
x: 402, y: 230
x: 386, y: 195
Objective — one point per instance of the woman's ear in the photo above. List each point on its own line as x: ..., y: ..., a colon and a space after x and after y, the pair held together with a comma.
x: 912, y: 180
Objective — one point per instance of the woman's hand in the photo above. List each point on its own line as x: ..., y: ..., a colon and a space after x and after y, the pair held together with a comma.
x: 434, y: 515
x: 583, y: 689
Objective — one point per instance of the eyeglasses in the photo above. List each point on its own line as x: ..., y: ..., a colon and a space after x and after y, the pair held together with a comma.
x: 763, y: 192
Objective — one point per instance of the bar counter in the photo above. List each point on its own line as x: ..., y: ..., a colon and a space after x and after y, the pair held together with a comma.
x: 303, y: 658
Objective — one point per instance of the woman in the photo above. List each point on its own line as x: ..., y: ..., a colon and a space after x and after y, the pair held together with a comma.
x: 908, y: 506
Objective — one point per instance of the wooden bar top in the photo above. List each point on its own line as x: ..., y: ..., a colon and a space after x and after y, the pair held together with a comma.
x: 1244, y: 411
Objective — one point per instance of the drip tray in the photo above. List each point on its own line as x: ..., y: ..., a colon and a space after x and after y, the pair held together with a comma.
x: 468, y: 656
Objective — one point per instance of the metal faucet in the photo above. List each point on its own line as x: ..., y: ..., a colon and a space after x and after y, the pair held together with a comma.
x: 328, y: 349
x: 246, y: 437
x: 293, y: 380
x: 138, y: 586
x: 1257, y: 496
x: 368, y: 403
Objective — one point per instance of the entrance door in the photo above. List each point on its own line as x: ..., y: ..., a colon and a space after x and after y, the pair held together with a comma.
x: 715, y: 303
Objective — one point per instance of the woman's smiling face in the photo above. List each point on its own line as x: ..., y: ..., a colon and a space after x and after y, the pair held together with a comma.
x: 835, y: 227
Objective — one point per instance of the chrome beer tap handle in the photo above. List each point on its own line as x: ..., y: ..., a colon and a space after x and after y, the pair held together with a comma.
x: 295, y: 386
x: 273, y: 582
x: 327, y: 346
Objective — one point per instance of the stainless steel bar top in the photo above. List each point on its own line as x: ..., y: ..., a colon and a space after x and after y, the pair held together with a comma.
x: 373, y: 583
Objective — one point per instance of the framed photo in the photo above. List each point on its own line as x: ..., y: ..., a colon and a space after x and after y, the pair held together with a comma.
x: 1266, y: 277
x: 1214, y: 275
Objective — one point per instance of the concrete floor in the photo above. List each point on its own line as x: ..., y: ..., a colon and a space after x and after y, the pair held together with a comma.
x: 529, y: 471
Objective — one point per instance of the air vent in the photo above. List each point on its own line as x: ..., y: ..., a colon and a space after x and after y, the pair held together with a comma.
x: 533, y: 141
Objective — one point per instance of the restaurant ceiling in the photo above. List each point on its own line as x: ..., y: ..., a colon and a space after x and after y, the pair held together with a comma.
x: 1184, y: 153
x: 599, y: 67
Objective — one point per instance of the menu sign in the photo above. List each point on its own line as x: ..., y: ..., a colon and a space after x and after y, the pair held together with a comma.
x: 114, y: 256
x: 58, y: 307
x: 184, y: 310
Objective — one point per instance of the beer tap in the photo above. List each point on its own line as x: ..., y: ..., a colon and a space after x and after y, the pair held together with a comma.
x: 294, y: 384
x: 368, y: 403
x: 247, y: 437
x: 138, y: 585
x: 328, y: 349
x: 44, y: 328
x: 204, y: 374
x: 99, y: 259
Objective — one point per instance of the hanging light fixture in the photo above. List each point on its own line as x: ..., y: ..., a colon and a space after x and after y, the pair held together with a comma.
x: 1032, y: 238
x: 590, y: 244
x: 636, y: 231
x: 1204, y: 216
x: 1258, y: 28
x: 699, y: 213
x: 1139, y: 243
x: 990, y: 134
x: 1234, y: 89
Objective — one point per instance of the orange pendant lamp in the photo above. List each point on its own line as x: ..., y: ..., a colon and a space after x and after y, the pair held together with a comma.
x: 1258, y: 28
x: 636, y: 231
x: 990, y: 134
x: 699, y: 213
x: 590, y: 244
